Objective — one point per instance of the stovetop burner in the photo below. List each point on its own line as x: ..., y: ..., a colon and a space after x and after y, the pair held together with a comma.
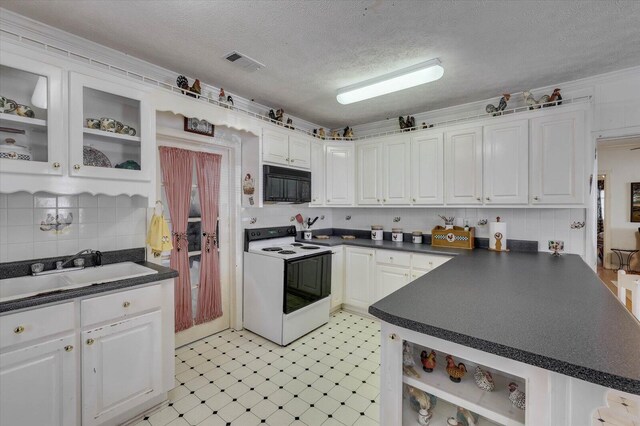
x: 272, y: 249
x: 309, y: 247
x: 287, y: 252
x: 296, y: 244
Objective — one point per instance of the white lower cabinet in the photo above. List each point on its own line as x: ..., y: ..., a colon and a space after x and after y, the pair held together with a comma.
x: 121, y: 367
x: 359, y: 267
x: 389, y: 279
x: 38, y: 384
x: 337, y: 277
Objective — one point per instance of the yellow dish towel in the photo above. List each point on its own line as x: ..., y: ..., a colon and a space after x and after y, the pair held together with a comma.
x: 159, y: 237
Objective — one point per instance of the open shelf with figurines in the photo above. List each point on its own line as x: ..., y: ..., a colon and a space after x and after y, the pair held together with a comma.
x: 29, y: 98
x: 109, y: 129
x: 494, y: 396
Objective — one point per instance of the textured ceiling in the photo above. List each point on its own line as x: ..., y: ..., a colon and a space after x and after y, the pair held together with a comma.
x: 312, y: 48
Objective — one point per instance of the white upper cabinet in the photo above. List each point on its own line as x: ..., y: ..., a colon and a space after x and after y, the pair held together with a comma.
x: 506, y: 163
x: 557, y: 158
x: 396, y: 174
x: 111, y: 129
x: 427, y: 175
x: 339, y: 174
x: 299, y: 152
x: 369, y: 173
x: 317, y: 173
x: 278, y: 147
x: 275, y: 147
x: 32, y: 139
x: 463, y: 166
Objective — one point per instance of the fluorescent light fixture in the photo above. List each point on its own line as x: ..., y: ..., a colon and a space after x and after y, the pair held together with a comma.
x: 415, y: 75
x: 39, y: 97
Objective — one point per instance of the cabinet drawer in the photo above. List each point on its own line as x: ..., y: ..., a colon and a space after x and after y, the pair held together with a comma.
x: 393, y: 257
x: 40, y: 322
x: 426, y: 261
x: 122, y: 304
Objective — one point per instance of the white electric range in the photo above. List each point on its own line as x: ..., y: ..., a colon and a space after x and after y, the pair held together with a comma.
x: 287, y: 285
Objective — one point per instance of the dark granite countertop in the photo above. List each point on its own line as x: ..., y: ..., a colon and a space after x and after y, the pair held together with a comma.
x: 550, y: 312
x: 62, y: 295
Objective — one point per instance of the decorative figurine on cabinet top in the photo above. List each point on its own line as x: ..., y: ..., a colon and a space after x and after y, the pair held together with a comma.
x: 348, y: 133
x: 456, y: 372
x: 428, y: 361
x: 221, y: 96
x: 195, y: 89
x: 555, y: 97
x: 230, y: 100
x: 321, y: 133
x: 502, y: 105
x: 408, y: 363
x: 484, y: 380
x: 182, y: 83
x: 289, y: 123
x: 280, y: 116
x: 272, y: 116
x: 516, y: 396
x: 426, y: 126
x: 402, y: 123
x: 531, y: 101
x: 335, y: 135
x: 410, y: 123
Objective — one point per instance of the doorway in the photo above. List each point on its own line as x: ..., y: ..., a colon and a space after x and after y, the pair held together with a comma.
x: 226, y: 224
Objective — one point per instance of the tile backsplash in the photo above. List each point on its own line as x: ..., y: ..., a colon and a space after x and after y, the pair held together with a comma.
x: 281, y: 214
x: 44, y: 225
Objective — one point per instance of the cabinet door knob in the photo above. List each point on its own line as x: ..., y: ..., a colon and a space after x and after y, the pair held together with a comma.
x: 76, y: 167
x: 414, y: 200
x: 536, y: 198
x: 393, y: 336
x: 292, y: 160
x: 68, y: 348
x: 90, y: 341
x: 370, y: 254
x: 488, y: 199
x: 378, y: 199
x: 126, y: 304
x: 384, y: 200
x: 19, y: 329
x: 328, y: 200
x: 56, y: 165
x: 478, y: 199
x: 406, y: 275
x: 314, y: 200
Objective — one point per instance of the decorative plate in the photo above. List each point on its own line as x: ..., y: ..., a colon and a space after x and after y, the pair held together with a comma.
x: 93, y: 157
x: 129, y: 165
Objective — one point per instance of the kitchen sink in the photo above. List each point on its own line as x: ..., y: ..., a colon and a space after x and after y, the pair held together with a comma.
x: 20, y: 287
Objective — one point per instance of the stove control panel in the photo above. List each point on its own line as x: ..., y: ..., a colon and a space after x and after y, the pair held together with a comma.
x: 257, y: 234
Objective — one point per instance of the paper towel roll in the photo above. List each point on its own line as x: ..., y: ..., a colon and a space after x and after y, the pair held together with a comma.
x: 498, y: 236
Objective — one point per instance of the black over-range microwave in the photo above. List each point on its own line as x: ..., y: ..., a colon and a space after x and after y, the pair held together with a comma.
x: 284, y: 185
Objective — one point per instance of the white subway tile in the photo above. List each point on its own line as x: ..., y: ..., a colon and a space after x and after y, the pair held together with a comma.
x: 42, y: 215
x: 106, y: 243
x: 67, y: 201
x: 17, y: 217
x: 87, y: 230
x: 87, y: 215
x: 43, y: 236
x: 20, y: 251
x: 4, y: 234
x: 69, y: 233
x: 20, y: 234
x: 44, y: 200
x: 67, y: 247
x: 3, y: 253
x: 88, y: 243
x: 87, y: 200
x: 106, y: 201
x: 3, y: 216
x: 3, y: 201
x: 48, y: 249
x: 124, y: 214
x: 20, y: 200
x: 107, y: 215
x: 124, y: 201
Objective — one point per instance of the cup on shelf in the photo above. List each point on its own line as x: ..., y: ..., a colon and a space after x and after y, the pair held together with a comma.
x: 127, y: 130
x: 93, y: 123
x: 7, y: 105
x: 110, y: 125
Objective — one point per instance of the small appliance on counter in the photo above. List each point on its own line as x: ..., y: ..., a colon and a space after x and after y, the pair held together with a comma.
x: 377, y: 232
x: 286, y: 284
x: 456, y: 237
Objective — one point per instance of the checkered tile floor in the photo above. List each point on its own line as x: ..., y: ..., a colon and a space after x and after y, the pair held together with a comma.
x: 328, y: 377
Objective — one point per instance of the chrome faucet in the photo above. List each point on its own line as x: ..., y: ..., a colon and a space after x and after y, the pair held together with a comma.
x: 37, y: 268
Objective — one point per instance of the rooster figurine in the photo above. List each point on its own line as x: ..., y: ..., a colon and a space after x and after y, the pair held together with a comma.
x: 403, y: 125
x: 484, y: 380
x: 428, y: 361
x: 496, y: 110
x: 230, y: 100
x: 182, y: 83
x: 531, y: 101
x: 321, y: 133
x: 456, y: 372
x: 420, y: 397
x: 555, y: 97
x: 272, y: 115
x: 289, y: 123
x: 195, y: 89
x: 347, y: 133
x: 221, y: 96
x: 335, y: 135
x: 280, y: 116
x: 466, y: 417
x: 408, y: 363
x: 516, y: 396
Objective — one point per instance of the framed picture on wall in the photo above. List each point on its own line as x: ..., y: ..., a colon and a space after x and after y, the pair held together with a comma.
x: 635, y: 201
x: 201, y: 127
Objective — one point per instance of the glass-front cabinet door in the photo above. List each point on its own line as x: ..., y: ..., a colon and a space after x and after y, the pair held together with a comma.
x: 110, y: 129
x: 31, y: 131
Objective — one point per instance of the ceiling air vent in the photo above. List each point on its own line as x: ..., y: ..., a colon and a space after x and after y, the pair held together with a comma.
x: 243, y: 61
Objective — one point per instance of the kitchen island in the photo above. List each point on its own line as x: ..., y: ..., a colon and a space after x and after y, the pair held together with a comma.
x: 546, y: 322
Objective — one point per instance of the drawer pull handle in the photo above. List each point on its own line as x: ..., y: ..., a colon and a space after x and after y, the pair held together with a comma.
x: 90, y: 341
x: 126, y: 304
x: 393, y: 336
x: 76, y: 167
x: 56, y: 165
x: 19, y: 329
x: 68, y: 348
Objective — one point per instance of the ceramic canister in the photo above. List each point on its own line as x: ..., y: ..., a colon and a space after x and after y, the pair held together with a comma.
x: 416, y: 237
x: 376, y: 232
x: 307, y: 235
x: 396, y: 235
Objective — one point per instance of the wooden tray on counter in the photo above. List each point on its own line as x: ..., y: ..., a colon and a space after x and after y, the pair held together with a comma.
x: 453, y: 238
